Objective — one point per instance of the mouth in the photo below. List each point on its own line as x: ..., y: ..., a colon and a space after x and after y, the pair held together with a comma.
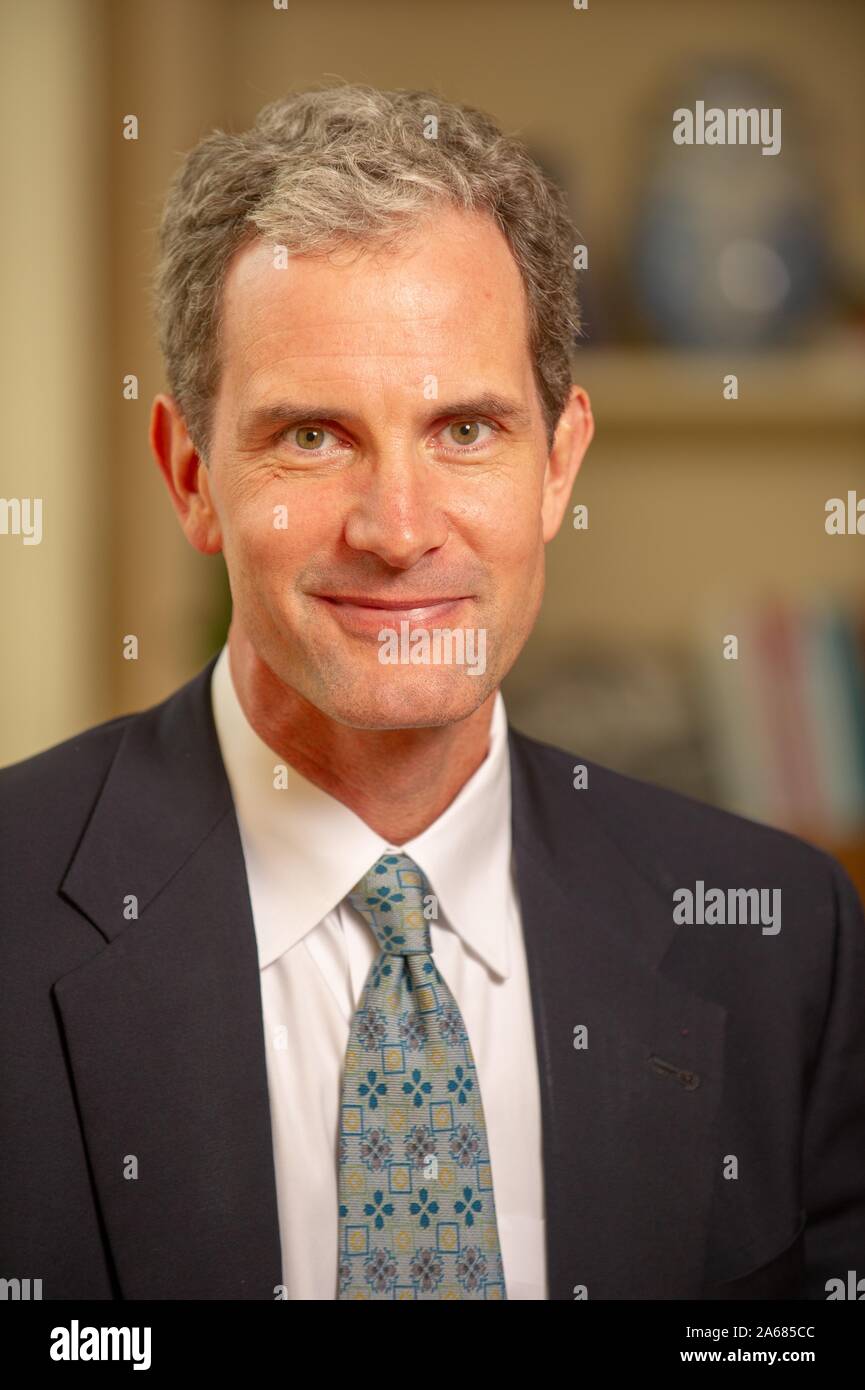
x: 366, y: 615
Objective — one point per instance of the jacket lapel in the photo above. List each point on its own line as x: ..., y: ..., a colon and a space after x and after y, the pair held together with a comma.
x: 628, y: 1120
x: 164, y: 1025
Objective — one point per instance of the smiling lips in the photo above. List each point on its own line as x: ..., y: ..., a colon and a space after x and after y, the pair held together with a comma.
x: 364, y: 614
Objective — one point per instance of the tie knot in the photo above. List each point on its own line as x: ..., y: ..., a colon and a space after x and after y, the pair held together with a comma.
x: 390, y: 898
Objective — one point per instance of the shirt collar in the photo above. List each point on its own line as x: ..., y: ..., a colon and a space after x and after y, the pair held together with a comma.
x: 307, y: 850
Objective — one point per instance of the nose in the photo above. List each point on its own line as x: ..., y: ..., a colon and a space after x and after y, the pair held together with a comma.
x: 397, y: 515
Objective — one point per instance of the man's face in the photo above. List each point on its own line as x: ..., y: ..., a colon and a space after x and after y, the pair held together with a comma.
x: 379, y: 458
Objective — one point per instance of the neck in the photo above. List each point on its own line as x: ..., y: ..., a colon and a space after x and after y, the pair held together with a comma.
x: 426, y: 768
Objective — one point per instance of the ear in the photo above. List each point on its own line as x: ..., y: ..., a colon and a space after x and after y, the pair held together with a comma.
x: 186, y: 475
x: 572, y: 438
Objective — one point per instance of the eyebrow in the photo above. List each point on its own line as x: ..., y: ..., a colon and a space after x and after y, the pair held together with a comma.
x: 288, y: 413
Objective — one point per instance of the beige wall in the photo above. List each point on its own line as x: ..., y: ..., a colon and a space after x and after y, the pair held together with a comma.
x: 55, y: 366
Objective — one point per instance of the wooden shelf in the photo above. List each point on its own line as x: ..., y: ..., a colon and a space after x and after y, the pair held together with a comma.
x: 644, y: 388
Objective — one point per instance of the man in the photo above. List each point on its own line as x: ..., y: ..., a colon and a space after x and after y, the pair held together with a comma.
x: 322, y: 981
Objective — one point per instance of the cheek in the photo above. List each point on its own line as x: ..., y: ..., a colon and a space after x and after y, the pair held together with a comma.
x: 277, y: 531
x: 504, y: 528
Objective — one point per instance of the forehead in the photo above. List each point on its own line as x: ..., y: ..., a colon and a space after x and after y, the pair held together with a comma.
x: 448, y: 302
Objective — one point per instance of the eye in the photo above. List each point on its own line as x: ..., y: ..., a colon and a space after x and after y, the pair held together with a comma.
x: 311, y: 437
x: 468, y: 432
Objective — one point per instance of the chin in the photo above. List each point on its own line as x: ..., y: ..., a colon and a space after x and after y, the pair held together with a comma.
x: 412, y: 700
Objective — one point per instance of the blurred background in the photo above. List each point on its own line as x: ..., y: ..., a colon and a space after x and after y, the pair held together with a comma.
x: 706, y: 511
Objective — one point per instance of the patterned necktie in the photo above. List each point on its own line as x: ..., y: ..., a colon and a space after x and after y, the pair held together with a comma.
x: 417, y: 1218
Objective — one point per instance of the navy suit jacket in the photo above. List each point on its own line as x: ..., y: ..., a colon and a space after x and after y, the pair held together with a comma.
x: 711, y: 1050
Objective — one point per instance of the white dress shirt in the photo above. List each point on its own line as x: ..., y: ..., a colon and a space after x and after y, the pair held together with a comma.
x: 304, y: 851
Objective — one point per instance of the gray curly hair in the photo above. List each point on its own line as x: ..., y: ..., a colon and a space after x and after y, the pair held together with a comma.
x: 351, y: 164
